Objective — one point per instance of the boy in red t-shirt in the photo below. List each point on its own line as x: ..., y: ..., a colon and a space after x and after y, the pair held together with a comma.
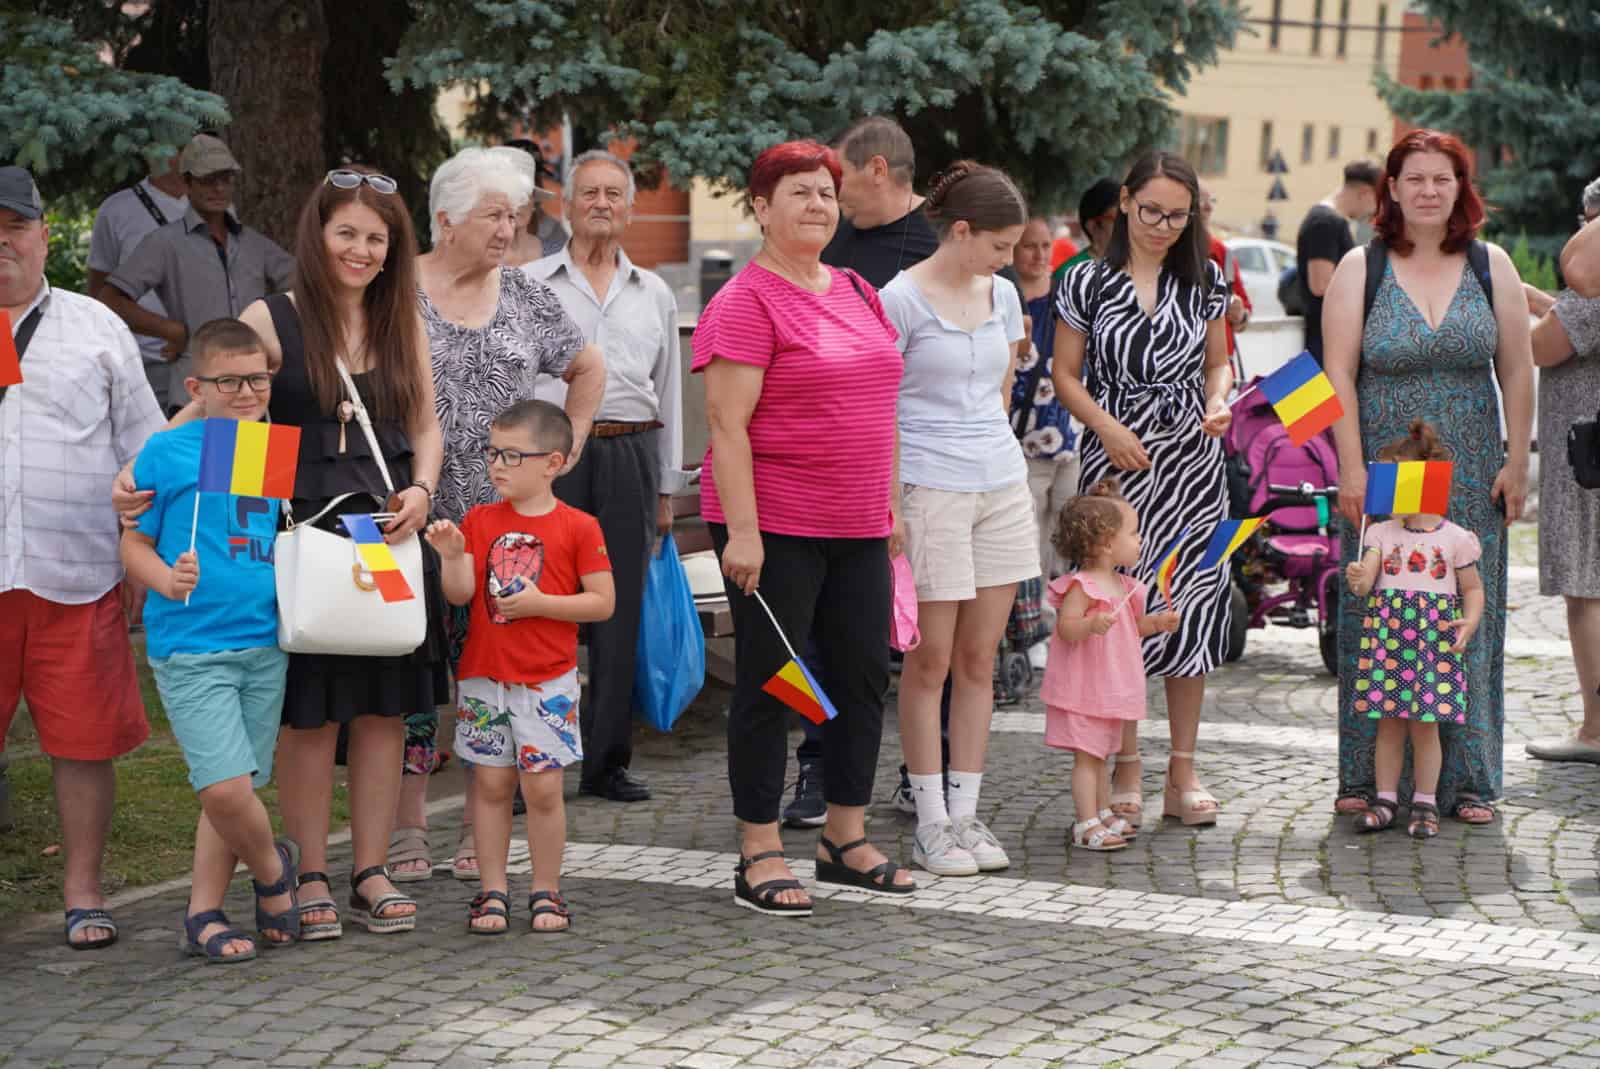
x: 533, y: 569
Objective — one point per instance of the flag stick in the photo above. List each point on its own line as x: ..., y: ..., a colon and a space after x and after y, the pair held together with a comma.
x: 194, y: 529
x: 781, y: 636
x: 1361, y: 538
x: 1246, y: 392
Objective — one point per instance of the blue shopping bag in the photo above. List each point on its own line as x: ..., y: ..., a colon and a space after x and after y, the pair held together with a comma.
x: 671, y: 664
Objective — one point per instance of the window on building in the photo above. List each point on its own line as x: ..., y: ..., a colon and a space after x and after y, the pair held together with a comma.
x: 1344, y: 29
x: 1203, y: 141
x: 1372, y: 141
x: 1383, y: 30
x: 1448, y: 83
x: 1308, y: 135
x: 1316, y: 27
x: 1333, y: 142
x: 1266, y: 143
x: 1275, y: 25
x: 1425, y: 82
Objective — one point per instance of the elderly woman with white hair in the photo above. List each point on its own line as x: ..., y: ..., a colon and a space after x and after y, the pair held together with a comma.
x: 491, y: 332
x: 1566, y: 349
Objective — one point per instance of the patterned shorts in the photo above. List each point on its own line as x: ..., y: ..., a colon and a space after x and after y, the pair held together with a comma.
x: 533, y: 728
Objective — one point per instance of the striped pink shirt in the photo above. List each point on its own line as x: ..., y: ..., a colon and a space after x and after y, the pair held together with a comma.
x: 822, y: 434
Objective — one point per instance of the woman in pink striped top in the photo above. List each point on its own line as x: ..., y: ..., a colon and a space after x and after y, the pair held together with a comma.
x: 802, y: 375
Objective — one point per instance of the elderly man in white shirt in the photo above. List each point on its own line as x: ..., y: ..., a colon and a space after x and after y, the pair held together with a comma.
x: 633, y: 462
x: 82, y: 410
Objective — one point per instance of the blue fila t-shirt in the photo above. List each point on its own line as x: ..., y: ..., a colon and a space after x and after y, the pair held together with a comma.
x: 235, y: 604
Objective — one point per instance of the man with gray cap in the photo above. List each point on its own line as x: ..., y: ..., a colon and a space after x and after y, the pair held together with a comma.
x: 82, y: 410
x: 204, y: 266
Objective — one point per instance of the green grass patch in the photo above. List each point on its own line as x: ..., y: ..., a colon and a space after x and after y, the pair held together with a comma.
x: 152, y: 826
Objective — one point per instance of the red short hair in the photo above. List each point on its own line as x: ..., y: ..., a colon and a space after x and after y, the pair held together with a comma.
x: 790, y: 157
x: 1465, y: 218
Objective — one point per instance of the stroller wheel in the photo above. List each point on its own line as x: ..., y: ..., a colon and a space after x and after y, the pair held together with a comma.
x: 1013, y: 677
x: 1238, y: 624
x: 1328, y: 624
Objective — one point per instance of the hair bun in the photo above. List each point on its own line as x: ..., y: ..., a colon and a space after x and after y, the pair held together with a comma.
x: 940, y: 184
x: 1107, y: 487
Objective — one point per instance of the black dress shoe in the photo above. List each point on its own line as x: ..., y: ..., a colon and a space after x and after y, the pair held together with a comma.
x: 618, y: 785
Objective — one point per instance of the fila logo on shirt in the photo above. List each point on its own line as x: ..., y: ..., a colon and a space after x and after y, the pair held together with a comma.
x: 250, y: 546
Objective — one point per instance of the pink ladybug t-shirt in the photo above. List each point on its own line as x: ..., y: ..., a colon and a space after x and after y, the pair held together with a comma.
x: 1425, y: 561
x: 822, y: 433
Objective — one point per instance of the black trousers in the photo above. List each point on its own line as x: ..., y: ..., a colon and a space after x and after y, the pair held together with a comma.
x: 615, y: 480
x: 837, y: 589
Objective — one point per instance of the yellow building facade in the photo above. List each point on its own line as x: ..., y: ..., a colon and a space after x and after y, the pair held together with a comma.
x: 1299, y: 82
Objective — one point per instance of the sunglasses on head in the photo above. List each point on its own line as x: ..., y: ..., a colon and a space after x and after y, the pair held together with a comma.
x: 342, y: 179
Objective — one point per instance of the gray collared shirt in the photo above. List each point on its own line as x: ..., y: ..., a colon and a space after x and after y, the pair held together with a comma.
x: 196, y: 279
x: 636, y: 327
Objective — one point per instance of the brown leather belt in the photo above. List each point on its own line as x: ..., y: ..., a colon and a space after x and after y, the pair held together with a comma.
x: 616, y: 430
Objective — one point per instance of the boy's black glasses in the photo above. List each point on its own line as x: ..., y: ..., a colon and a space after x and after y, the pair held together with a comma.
x: 511, y: 457
x: 380, y: 183
x: 259, y: 383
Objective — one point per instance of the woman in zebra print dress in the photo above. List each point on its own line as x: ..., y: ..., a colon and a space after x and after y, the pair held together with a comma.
x: 1152, y: 395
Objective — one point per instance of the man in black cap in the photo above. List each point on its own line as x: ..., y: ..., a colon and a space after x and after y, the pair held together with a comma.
x: 1097, y: 215
x: 82, y: 410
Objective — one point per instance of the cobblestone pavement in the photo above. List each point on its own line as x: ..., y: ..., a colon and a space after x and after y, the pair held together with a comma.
x: 1276, y: 938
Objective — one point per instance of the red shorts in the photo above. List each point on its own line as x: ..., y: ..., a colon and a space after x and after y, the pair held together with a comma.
x: 75, y: 667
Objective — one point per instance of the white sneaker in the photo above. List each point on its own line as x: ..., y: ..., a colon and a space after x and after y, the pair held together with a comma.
x: 935, y: 848
x: 1039, y: 655
x: 976, y: 839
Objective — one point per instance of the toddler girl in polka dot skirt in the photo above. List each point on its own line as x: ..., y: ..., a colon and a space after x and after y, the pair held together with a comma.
x: 1426, y: 602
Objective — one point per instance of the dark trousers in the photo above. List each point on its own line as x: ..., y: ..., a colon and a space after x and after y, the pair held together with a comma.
x: 615, y: 481
x: 838, y: 588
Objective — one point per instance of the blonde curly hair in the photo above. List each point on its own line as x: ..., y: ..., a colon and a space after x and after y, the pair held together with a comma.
x: 1089, y: 521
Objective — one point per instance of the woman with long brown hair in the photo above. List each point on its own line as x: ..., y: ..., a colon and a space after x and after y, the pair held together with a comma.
x: 354, y: 299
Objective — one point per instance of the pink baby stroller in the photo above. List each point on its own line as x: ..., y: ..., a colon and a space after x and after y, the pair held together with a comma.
x: 1297, y: 549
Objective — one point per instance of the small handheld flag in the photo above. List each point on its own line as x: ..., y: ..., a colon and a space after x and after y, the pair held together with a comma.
x: 10, y: 360
x: 1408, y: 487
x: 1167, y: 566
x: 793, y: 684
x: 1303, y: 397
x: 1228, y: 537
x: 252, y: 459
x: 375, y: 555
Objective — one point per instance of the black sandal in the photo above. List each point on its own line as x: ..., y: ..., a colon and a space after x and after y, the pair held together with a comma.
x: 879, y: 879
x: 484, y: 906
x: 370, y: 915
x: 288, y: 883
x: 1378, y: 816
x: 763, y: 896
x: 542, y: 902
x: 1424, y: 821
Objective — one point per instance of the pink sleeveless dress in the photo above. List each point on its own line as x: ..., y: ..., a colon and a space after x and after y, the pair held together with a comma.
x: 1091, y: 688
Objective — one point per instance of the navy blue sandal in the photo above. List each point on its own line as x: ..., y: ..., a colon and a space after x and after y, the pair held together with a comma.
x: 288, y: 883
x: 211, y: 949
x: 543, y: 902
x: 79, y: 919
x: 485, y: 906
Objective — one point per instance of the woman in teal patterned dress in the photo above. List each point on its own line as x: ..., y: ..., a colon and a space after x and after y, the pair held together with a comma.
x: 1433, y: 347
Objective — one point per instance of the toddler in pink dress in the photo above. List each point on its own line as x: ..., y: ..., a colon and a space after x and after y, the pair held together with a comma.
x: 1094, y: 680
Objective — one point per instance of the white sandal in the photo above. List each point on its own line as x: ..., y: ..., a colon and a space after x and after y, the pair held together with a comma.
x: 1093, y: 835
x: 1132, y: 802
x: 1118, y: 826
x: 1185, y: 805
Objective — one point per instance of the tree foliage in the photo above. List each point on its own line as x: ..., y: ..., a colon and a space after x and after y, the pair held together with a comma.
x: 1532, y: 113
x: 73, y: 119
x: 1057, y: 93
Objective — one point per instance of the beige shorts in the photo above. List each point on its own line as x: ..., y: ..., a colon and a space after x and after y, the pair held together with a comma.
x: 959, y: 543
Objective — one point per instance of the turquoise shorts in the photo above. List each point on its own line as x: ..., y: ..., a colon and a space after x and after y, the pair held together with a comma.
x: 225, y: 708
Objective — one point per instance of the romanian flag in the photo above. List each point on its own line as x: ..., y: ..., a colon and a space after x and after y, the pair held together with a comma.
x: 1167, y: 566
x: 1303, y: 397
x: 1408, y: 487
x: 253, y: 459
x: 795, y: 687
x: 375, y: 555
x: 1229, y: 536
x: 10, y: 361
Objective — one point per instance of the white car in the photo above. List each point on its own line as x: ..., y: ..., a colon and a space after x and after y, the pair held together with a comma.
x: 1260, y: 263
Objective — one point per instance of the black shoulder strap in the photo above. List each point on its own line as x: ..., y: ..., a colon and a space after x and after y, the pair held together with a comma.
x: 149, y: 204
x: 1377, y: 260
x: 1478, y: 260
x: 30, y: 323
x: 855, y: 284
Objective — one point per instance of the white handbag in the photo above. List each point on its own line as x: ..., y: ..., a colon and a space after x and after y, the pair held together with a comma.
x: 327, y: 601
